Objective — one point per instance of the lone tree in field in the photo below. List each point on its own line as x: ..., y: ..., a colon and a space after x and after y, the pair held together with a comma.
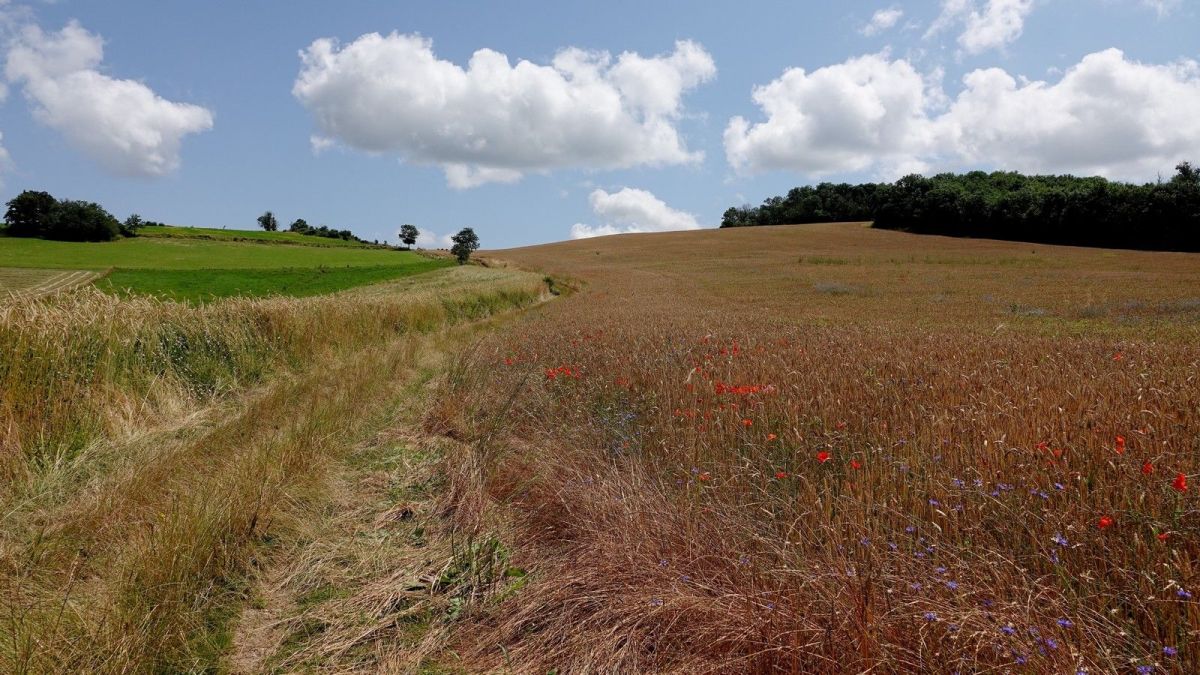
x: 267, y: 222
x: 409, y: 234
x: 27, y: 213
x: 465, y: 243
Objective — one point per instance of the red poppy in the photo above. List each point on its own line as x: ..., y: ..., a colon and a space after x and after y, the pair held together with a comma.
x: 1043, y: 445
x: 1106, y: 522
x: 822, y: 456
x: 840, y: 426
x: 781, y: 475
x: 1120, y: 446
x: 771, y: 437
x: 706, y: 476
x: 1118, y: 356
x: 855, y: 464
x: 1163, y: 536
x: 1147, y: 467
x: 747, y: 423
x: 1180, y: 482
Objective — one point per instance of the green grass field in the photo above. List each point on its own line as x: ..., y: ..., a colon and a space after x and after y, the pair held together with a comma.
x: 172, y: 232
x: 201, y: 264
x: 199, y: 285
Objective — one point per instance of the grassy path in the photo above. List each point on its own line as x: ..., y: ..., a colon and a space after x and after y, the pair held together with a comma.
x: 146, y: 563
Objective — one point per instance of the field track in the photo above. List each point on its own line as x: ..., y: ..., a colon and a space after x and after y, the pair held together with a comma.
x: 29, y: 283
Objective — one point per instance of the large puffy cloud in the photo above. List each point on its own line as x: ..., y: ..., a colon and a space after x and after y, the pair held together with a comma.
x: 631, y: 210
x: 995, y: 24
x: 1107, y: 114
x: 122, y: 124
x: 844, y: 117
x: 494, y: 121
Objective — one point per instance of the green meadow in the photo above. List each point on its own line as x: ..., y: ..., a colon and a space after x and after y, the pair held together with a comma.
x: 198, y: 264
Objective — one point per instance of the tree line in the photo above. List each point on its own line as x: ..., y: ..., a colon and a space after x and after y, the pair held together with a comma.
x: 39, y: 214
x: 1164, y: 215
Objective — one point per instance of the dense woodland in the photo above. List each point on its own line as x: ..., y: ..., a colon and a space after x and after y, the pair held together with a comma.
x: 1004, y: 205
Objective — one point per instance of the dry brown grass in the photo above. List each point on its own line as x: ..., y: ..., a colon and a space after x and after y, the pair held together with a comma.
x: 153, y: 451
x: 968, y: 393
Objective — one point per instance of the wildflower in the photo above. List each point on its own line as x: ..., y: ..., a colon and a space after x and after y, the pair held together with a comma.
x: 1118, y: 356
x: 931, y: 616
x: 1059, y: 486
x: 684, y: 578
x: 706, y: 476
x: 1008, y: 630
x: 934, y: 502
x: 747, y: 423
x: 1180, y: 483
x: 656, y: 602
x: 1145, y: 670
x: 823, y: 456
x: 892, y: 545
x: 1051, y: 643
x: 781, y: 475
x: 1059, y: 539
x: 1147, y: 468
x: 953, y: 628
x: 855, y: 464
x: 1170, y: 651
x: 864, y: 542
x: 1162, y: 536
x: 663, y: 562
x: 1065, y: 623
x: 916, y: 586
x: 771, y: 437
x: 952, y: 585
x: 744, y: 560
x: 1106, y: 522
x: 940, y: 570
x: 1183, y: 594
x: 1120, y: 446
x: 910, y: 529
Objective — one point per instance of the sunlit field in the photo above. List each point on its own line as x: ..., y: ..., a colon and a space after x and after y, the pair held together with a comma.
x: 828, y: 448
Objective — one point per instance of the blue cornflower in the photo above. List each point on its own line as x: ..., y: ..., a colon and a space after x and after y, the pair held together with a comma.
x: 957, y: 482
x: 1059, y: 539
x: 1170, y: 651
x: 1183, y: 594
x: 663, y: 562
x: 1065, y: 623
x: 1059, y: 486
x: 656, y: 602
x: 685, y: 578
x: 864, y: 541
x: 953, y: 628
x: 916, y: 585
x: 910, y: 529
x: 952, y: 585
x: 931, y: 616
x: 940, y: 570
x: 1008, y: 630
x: 1145, y: 670
x: 892, y: 545
x: 1051, y: 643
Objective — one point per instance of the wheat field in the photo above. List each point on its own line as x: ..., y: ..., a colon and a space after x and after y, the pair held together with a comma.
x: 834, y: 449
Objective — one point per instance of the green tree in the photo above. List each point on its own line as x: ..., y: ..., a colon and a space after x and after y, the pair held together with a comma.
x: 409, y: 234
x: 27, y: 213
x: 81, y: 221
x: 466, y: 242
x: 299, y: 225
x: 267, y: 222
x: 132, y: 224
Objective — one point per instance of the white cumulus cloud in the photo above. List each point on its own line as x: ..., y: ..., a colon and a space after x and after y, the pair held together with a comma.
x: 843, y: 117
x: 991, y: 24
x: 1106, y: 115
x: 882, y: 20
x: 493, y: 121
x: 632, y: 210
x: 121, y: 124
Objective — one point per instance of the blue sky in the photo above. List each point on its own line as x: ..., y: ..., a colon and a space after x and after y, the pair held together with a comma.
x: 207, y: 114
